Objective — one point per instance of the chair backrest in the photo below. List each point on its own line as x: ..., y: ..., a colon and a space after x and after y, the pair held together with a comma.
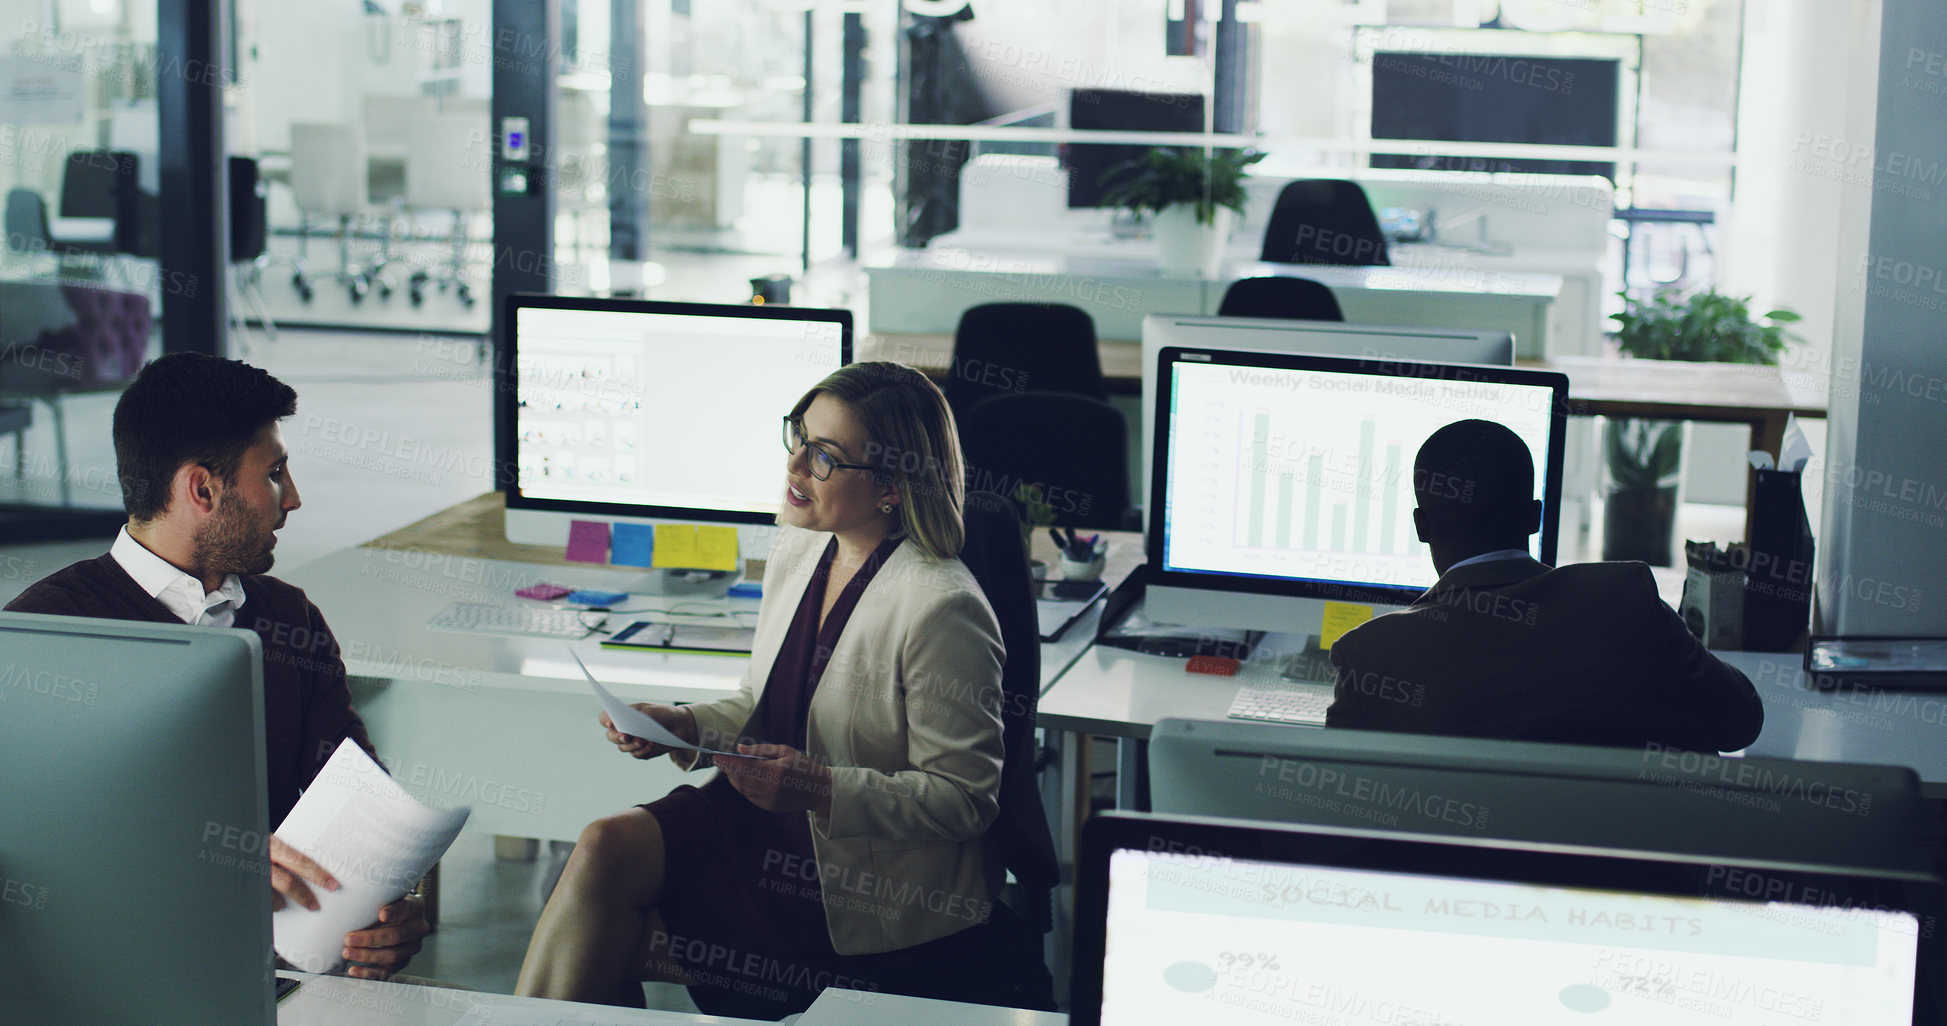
x: 388, y: 121
x: 1324, y: 221
x: 1294, y: 299
x: 104, y: 183
x: 447, y: 163
x: 1074, y: 447
x: 328, y: 173
x: 1012, y: 347
x: 997, y: 556
x: 26, y: 223
x: 249, y: 211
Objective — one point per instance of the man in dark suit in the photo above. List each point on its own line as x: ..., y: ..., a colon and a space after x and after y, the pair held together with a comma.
x: 1504, y: 646
x: 207, y: 483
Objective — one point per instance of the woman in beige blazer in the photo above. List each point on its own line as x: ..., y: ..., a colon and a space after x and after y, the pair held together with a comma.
x: 847, y: 846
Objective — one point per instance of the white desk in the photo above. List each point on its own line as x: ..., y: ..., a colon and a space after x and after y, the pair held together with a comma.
x: 339, y: 1001
x: 507, y: 724
x: 1122, y: 694
x: 924, y: 292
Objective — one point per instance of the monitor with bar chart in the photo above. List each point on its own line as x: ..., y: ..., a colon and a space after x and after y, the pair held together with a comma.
x: 1292, y: 476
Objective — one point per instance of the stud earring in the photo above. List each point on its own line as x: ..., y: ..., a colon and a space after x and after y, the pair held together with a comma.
x: 885, y: 507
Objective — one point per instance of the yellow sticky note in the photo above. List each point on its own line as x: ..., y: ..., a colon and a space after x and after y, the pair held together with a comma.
x: 1339, y: 618
x: 694, y: 547
x: 716, y: 548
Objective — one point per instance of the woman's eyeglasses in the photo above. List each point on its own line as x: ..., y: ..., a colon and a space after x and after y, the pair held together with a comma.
x: 822, y: 461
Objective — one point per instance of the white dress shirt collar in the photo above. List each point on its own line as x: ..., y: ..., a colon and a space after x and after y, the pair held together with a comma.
x: 181, y: 593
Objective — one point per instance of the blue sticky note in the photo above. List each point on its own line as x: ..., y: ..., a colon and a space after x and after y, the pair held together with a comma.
x: 632, y: 545
x: 595, y: 597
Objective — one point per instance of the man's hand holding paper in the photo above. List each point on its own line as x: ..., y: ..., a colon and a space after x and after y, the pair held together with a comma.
x: 369, y: 841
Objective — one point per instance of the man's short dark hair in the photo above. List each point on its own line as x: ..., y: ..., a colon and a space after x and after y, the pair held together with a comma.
x: 1475, y: 474
x: 188, y: 408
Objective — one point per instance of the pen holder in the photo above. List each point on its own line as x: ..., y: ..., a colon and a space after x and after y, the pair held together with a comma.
x: 1080, y: 569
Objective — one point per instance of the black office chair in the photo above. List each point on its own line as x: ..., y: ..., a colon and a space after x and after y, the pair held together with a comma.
x: 249, y: 241
x: 1324, y: 221
x: 1012, y: 347
x: 1296, y: 299
x: 1073, y: 447
x: 997, y: 555
x: 26, y: 223
x: 104, y: 184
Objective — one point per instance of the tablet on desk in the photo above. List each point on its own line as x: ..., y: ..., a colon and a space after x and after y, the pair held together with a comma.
x: 1059, y: 603
x: 650, y: 636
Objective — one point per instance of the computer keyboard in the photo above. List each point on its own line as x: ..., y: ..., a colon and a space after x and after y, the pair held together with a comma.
x: 1289, y: 704
x: 480, y: 618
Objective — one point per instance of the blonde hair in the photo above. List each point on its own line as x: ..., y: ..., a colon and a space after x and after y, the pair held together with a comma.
x: 912, y: 441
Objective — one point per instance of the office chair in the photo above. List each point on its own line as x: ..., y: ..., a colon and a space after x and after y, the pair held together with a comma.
x: 249, y: 239
x: 388, y: 136
x: 996, y: 553
x: 1324, y: 221
x: 329, y: 179
x: 15, y: 419
x: 103, y: 184
x: 1072, y: 447
x: 446, y: 169
x: 1295, y: 299
x: 68, y: 339
x: 1000, y: 348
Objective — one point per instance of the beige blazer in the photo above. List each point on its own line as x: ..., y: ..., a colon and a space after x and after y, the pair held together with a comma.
x: 908, y: 717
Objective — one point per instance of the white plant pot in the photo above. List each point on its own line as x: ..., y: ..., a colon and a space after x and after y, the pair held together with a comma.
x: 1185, y: 247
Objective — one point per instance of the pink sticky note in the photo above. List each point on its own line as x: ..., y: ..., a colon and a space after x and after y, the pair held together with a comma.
x: 588, y: 541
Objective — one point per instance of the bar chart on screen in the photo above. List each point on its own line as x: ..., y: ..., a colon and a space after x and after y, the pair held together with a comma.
x: 1310, y: 473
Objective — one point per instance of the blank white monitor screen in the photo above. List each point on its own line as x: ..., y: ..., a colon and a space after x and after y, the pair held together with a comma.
x: 1193, y: 938
x: 660, y: 409
x: 1301, y: 468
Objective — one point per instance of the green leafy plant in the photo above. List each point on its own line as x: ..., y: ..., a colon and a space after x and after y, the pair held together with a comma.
x: 1645, y: 457
x: 1170, y: 175
x: 1706, y: 327
x: 1035, y: 509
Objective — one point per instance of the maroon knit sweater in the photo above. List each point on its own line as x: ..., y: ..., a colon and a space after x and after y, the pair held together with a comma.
x: 307, y: 707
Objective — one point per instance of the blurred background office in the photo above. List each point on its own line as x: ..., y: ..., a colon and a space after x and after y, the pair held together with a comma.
x: 688, y: 149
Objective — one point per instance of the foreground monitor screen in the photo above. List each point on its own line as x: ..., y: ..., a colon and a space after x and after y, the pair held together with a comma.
x: 1264, y: 942
x: 1294, y: 474
x: 1187, y: 920
x: 649, y: 409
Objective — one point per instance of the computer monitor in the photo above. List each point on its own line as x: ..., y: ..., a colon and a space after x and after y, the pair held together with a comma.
x: 1324, y: 338
x: 1185, y: 920
x: 133, y: 823
x: 1281, y: 482
x: 1650, y: 799
x: 640, y: 411
x: 1490, y: 98
x: 1119, y: 110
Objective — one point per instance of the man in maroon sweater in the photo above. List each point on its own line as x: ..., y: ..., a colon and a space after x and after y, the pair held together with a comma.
x: 206, y: 481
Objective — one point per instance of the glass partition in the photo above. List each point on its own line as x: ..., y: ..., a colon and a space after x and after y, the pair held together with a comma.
x: 81, y: 291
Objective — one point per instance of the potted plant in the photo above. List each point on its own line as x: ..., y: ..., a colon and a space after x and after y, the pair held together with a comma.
x: 1645, y: 457
x: 1194, y: 195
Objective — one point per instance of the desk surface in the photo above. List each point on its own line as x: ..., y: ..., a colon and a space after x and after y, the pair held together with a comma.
x: 339, y: 1001
x: 1120, y: 693
x: 508, y: 723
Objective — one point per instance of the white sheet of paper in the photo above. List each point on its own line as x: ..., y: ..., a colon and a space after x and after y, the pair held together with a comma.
x: 1796, y: 451
x: 365, y: 830
x: 630, y: 720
